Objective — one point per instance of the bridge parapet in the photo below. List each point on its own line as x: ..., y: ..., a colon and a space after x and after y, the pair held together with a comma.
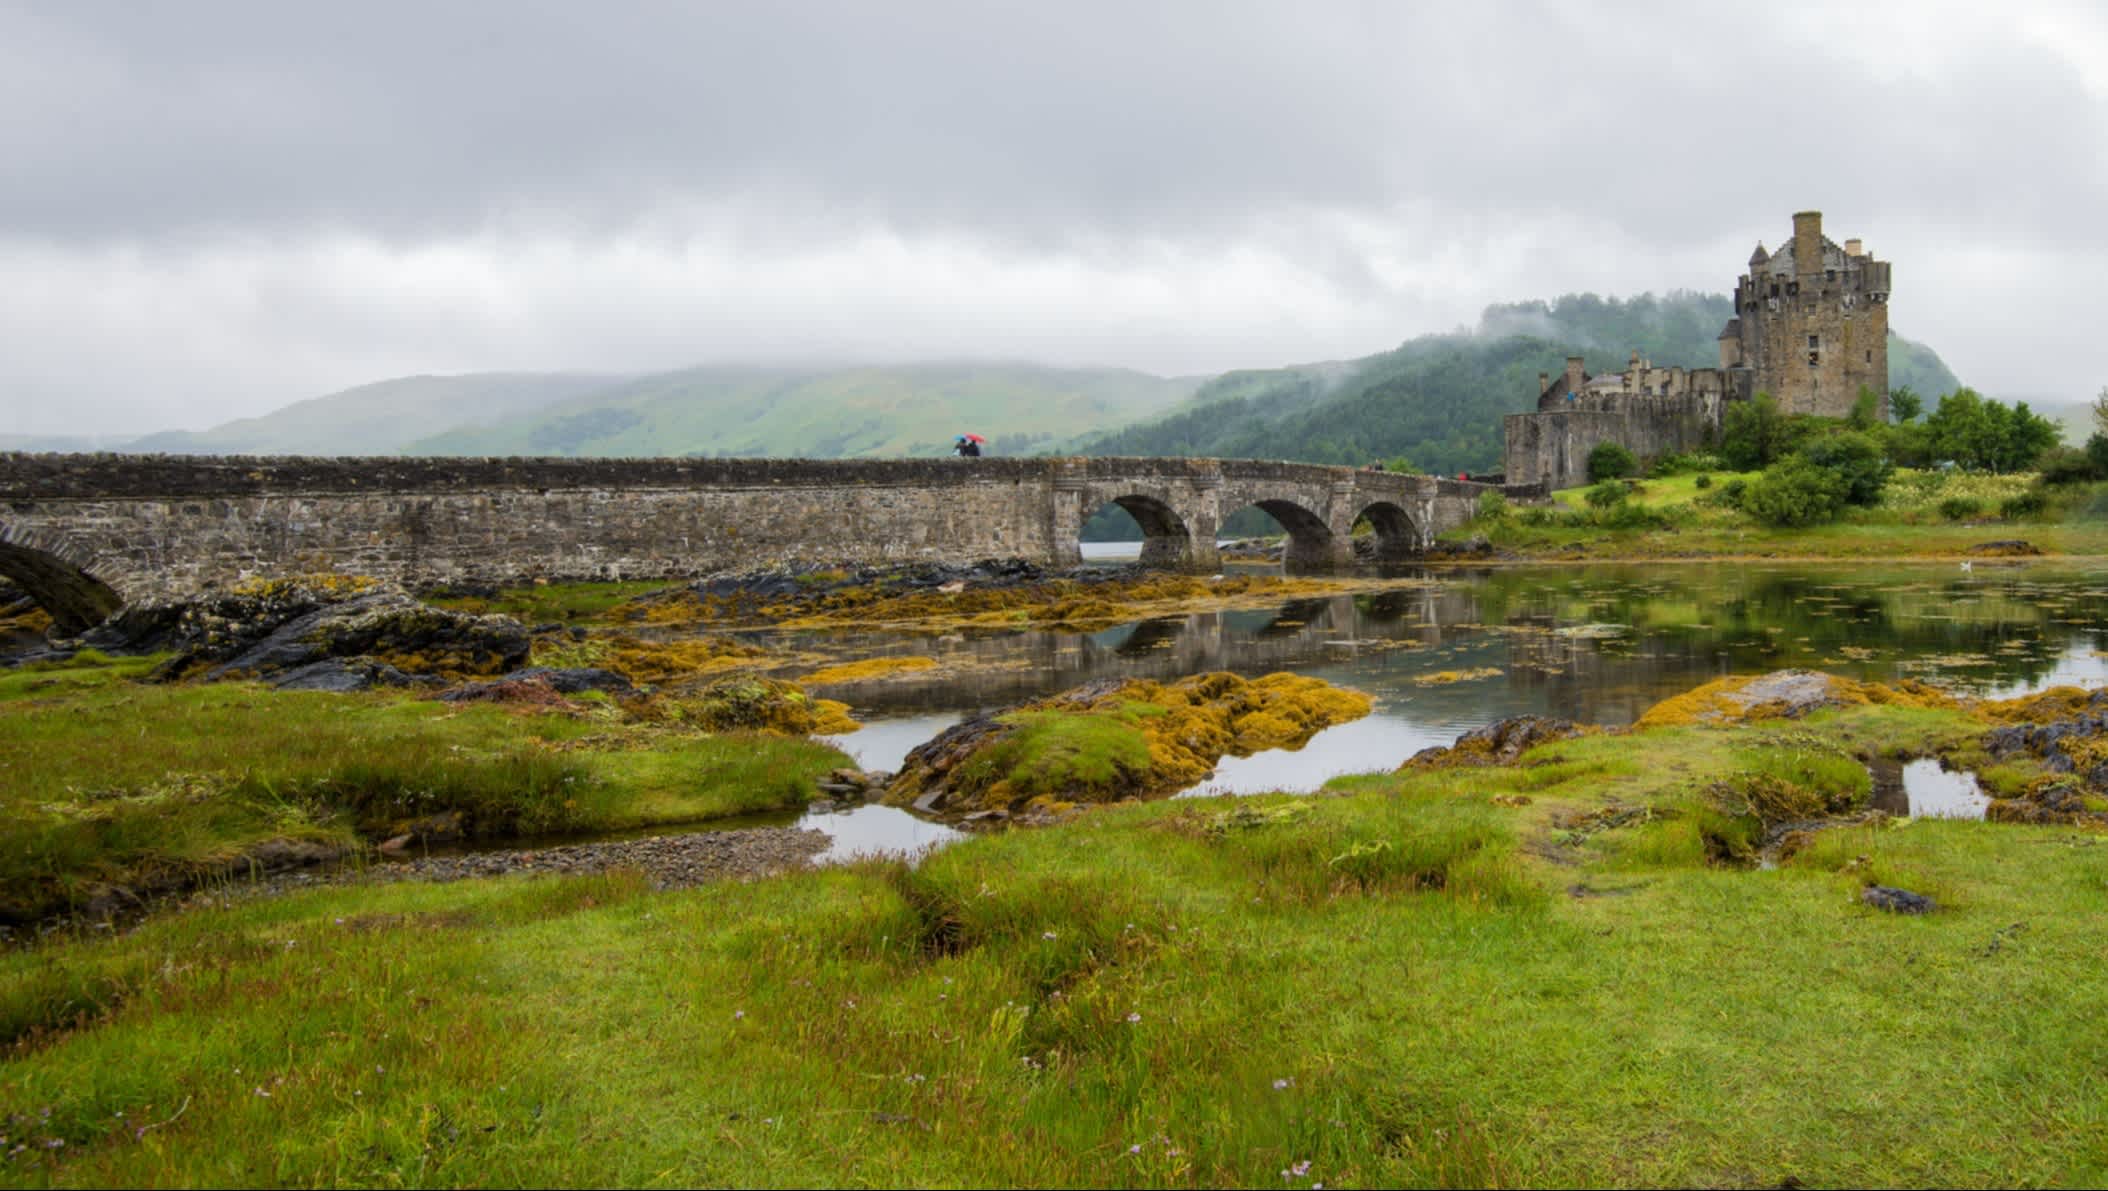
x: 157, y: 526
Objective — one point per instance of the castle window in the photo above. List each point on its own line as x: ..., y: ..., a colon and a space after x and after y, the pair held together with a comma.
x: 1814, y: 358
x: 1814, y: 341
x: 1829, y: 274
x: 1870, y: 356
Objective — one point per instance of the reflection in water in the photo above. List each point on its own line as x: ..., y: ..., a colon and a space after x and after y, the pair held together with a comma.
x: 875, y: 831
x: 1927, y: 789
x: 883, y: 744
x: 1597, y: 644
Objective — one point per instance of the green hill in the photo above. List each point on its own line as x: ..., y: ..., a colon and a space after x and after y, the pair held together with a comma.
x: 378, y: 419
x: 915, y: 409
x: 1437, y: 401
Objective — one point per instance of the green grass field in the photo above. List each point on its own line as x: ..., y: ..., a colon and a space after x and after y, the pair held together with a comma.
x: 1398, y: 981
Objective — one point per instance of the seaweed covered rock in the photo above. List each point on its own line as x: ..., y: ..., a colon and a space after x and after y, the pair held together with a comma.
x: 265, y: 629
x: 749, y: 703
x: 2066, y: 729
x: 1112, y: 740
x: 1783, y: 694
x: 1499, y: 743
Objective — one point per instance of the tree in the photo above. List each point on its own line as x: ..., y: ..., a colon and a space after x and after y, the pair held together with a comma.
x: 1865, y: 409
x: 2100, y: 411
x: 1906, y: 405
x: 1857, y: 461
x: 1978, y: 432
x: 1753, y: 433
x: 1611, y: 461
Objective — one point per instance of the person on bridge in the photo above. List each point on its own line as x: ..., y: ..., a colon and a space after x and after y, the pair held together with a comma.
x: 969, y: 447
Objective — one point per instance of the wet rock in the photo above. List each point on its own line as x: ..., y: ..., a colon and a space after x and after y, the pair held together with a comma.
x: 1897, y: 901
x: 669, y: 861
x: 1498, y: 743
x: 278, y: 855
x: 511, y: 687
x: 348, y: 674
x: 821, y: 806
x: 265, y: 629
x: 532, y: 692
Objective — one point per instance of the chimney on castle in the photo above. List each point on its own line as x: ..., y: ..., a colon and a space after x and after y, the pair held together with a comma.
x: 1807, y: 242
x: 1854, y: 248
x: 1575, y: 378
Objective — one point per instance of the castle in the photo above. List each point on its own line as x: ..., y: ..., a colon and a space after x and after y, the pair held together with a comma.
x: 1810, y: 329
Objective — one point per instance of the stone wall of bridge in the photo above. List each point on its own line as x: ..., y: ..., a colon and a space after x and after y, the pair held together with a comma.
x: 148, y: 528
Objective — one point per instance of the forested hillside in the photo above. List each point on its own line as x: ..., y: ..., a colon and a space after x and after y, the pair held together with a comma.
x: 1437, y: 401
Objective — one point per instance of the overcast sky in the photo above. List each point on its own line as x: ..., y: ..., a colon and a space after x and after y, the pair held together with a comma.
x: 209, y: 210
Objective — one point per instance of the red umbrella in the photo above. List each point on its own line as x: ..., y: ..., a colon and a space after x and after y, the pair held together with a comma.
x: 975, y: 438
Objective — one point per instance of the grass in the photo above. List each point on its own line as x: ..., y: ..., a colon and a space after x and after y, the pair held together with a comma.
x: 1399, y: 981
x: 104, y: 780
x: 1907, y: 523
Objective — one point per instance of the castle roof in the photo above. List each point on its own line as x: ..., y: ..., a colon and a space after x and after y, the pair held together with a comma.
x: 1759, y: 256
x: 1733, y: 329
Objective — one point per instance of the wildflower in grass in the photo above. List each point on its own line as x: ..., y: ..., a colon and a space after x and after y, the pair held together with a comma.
x: 738, y: 1013
x: 1050, y: 935
x: 1282, y: 1085
x: 264, y: 1094
x: 1133, y: 1018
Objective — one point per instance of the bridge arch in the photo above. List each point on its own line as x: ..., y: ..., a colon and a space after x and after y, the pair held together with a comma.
x: 1397, y: 537
x: 1166, y: 541
x: 54, y: 572
x: 1312, y: 546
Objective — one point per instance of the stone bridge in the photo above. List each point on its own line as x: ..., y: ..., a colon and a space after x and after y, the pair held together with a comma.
x: 86, y: 534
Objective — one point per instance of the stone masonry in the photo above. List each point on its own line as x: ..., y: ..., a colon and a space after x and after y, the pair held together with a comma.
x: 146, y: 528
x: 1810, y: 329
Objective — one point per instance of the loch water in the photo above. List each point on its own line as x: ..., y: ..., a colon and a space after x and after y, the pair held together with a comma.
x: 1455, y: 649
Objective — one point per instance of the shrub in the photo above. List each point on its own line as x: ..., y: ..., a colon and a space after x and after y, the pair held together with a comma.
x: 1794, y: 493
x: 2027, y: 504
x: 1955, y: 508
x: 1610, y: 461
x: 1732, y: 492
x: 1858, y: 461
x: 1703, y: 481
x: 1493, y: 506
x: 1607, y: 494
x: 2066, y: 465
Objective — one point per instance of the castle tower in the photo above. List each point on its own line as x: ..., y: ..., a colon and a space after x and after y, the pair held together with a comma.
x: 1811, y: 323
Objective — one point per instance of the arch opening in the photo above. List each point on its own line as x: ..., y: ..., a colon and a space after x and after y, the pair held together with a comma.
x: 1394, y: 538
x: 1164, y: 540
x: 75, y: 600
x: 1311, y: 546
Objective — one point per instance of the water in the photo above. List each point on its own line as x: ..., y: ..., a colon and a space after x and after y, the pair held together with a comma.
x: 1927, y: 789
x: 1597, y: 644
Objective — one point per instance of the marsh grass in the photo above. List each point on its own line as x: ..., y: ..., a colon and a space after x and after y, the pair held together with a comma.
x: 108, y: 781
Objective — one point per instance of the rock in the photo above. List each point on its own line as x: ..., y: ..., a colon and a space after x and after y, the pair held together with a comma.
x: 574, y: 680
x: 821, y: 806
x: 278, y: 854
x: 264, y: 629
x: 396, y: 845
x: 344, y: 675
x: 1896, y: 901
x: 1498, y: 743
x: 534, y: 684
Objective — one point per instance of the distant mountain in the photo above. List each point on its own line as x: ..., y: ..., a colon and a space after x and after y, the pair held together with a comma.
x: 1437, y: 401
x: 58, y: 443
x: 379, y: 419
x: 912, y: 409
